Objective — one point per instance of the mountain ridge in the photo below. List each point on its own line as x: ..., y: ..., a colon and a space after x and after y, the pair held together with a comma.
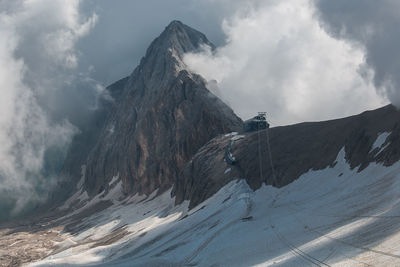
x: 160, y: 116
x: 155, y: 188
x: 294, y: 150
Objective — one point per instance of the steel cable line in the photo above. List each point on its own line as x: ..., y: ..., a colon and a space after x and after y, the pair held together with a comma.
x: 315, y: 231
x: 284, y: 240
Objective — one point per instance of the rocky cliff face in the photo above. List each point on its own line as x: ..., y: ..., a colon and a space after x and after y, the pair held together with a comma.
x: 85, y: 140
x: 160, y: 116
x: 294, y: 150
x: 164, y: 128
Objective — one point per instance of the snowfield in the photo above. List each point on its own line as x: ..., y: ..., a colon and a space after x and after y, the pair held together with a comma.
x: 330, y: 217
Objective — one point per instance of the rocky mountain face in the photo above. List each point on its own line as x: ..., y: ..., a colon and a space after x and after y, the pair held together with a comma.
x: 85, y: 140
x: 164, y: 128
x: 160, y: 128
x: 293, y: 151
x: 158, y: 119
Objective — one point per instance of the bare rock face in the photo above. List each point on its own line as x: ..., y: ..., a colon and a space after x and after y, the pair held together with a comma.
x: 294, y: 150
x: 84, y: 142
x: 206, y: 173
x: 161, y: 115
x: 164, y: 128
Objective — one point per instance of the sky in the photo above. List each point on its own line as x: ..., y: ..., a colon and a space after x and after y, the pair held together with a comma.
x: 298, y: 60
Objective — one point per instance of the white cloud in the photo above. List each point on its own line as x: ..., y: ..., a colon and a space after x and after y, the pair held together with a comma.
x: 278, y: 59
x: 37, y: 37
x: 373, y: 25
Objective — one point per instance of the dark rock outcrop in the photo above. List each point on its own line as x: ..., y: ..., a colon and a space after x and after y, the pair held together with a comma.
x: 85, y: 140
x: 164, y: 128
x: 160, y: 116
x: 295, y: 149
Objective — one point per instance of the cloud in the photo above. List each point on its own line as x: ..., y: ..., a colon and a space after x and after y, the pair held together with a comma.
x: 373, y: 26
x: 278, y: 59
x: 297, y: 60
x: 126, y: 28
x: 37, y: 46
x: 56, y: 58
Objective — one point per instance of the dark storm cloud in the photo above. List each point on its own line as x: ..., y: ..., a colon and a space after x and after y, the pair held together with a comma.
x: 38, y: 58
x: 374, y: 25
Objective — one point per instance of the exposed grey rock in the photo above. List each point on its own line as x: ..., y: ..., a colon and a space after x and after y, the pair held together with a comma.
x: 295, y: 149
x: 84, y: 142
x: 161, y: 115
x: 206, y: 173
x: 154, y: 134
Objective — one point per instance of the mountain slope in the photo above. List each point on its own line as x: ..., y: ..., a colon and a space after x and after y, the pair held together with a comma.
x: 330, y: 217
x: 85, y: 140
x: 155, y: 188
x: 162, y: 116
x: 295, y: 150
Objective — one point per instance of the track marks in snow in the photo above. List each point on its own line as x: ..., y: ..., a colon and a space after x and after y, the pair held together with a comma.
x: 244, y: 197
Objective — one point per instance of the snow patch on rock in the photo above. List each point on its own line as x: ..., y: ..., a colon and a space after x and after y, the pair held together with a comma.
x: 380, y: 141
x: 337, y: 216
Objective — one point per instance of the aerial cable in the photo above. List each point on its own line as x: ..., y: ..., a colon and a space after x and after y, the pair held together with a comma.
x: 270, y: 158
x: 293, y: 248
x: 259, y: 152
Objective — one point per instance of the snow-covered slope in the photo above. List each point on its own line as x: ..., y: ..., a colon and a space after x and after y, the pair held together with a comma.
x: 330, y: 217
x: 163, y: 184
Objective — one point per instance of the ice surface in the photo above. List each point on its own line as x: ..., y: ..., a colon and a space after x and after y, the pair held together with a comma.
x: 231, y: 134
x: 336, y: 216
x: 113, y: 180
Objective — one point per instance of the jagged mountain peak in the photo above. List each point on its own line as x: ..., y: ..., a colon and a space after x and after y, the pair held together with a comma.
x: 175, y: 24
x: 158, y: 186
x: 165, y: 53
x: 163, y: 114
x: 182, y: 38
